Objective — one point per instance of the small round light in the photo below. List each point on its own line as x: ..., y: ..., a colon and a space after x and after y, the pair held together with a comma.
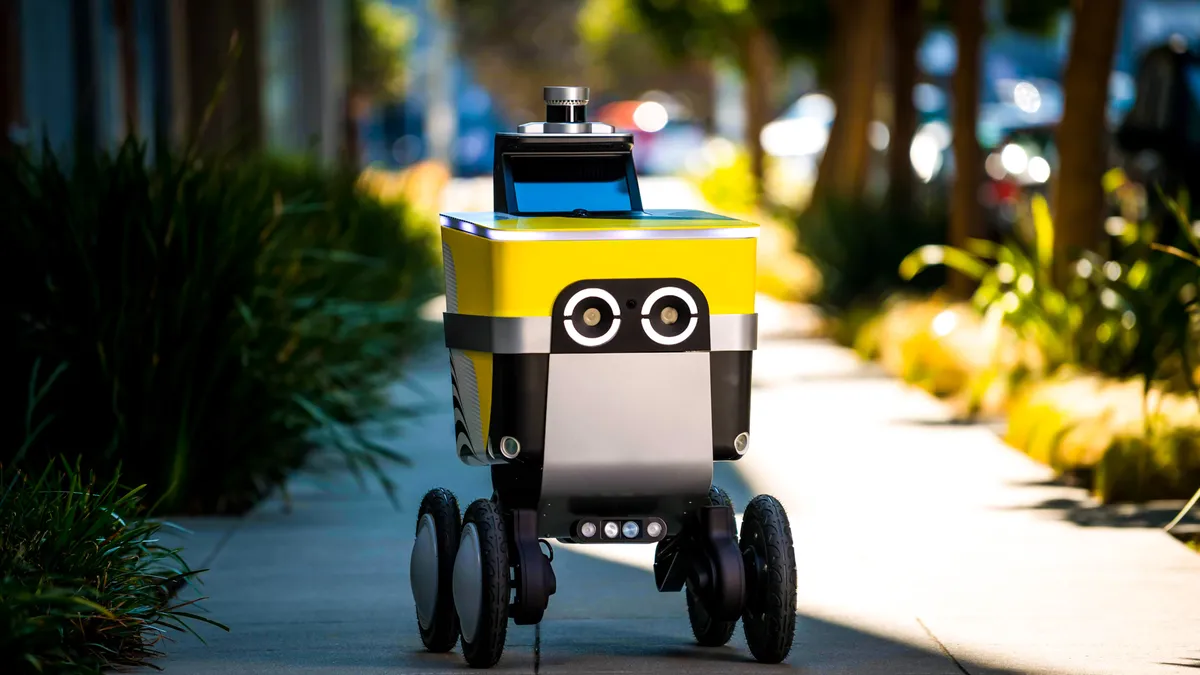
x: 653, y: 529
x: 591, y: 317
x: 741, y: 443
x: 510, y: 447
x: 669, y: 315
x: 630, y: 530
x: 588, y: 530
x: 611, y: 530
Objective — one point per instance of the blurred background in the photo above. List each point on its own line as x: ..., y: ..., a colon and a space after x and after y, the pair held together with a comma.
x: 220, y: 215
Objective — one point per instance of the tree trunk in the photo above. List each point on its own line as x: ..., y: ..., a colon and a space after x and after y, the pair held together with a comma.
x: 1077, y: 192
x: 965, y: 212
x: 123, y: 19
x: 11, y: 88
x: 906, y: 35
x: 858, y: 47
x: 759, y: 69
x: 83, y: 44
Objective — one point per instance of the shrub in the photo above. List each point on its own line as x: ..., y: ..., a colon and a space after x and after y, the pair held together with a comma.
x: 83, y: 583
x: 208, y: 317
x: 1120, y: 316
x: 858, y: 249
x: 1103, y: 429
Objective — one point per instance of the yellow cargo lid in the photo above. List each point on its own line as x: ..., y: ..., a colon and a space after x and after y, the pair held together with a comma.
x: 680, y: 224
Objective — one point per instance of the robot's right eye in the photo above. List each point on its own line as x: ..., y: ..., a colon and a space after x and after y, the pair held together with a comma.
x: 670, y: 315
x: 592, y: 317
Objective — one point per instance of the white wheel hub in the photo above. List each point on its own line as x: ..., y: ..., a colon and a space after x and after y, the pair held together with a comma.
x: 423, y: 571
x: 468, y: 582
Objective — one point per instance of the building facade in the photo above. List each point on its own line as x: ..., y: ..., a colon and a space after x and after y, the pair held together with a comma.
x: 93, y: 72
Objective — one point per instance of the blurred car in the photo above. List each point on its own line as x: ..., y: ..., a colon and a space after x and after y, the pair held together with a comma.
x: 1159, y: 140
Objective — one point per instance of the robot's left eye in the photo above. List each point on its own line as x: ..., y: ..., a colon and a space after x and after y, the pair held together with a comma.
x: 670, y: 315
x: 592, y: 317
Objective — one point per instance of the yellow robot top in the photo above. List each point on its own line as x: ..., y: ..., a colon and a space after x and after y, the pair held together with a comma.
x: 502, y: 265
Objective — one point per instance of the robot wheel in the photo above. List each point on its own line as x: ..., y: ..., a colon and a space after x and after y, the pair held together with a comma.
x: 769, y: 618
x: 431, y: 569
x: 481, y: 584
x: 709, y: 631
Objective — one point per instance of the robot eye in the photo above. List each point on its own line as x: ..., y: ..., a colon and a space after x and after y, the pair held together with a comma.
x: 669, y: 315
x: 592, y: 317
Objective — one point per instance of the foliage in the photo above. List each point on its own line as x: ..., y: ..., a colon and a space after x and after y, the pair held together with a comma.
x: 1099, y: 428
x: 715, y: 28
x: 204, y: 319
x: 945, y: 348
x: 857, y: 250
x: 379, y: 36
x: 1121, y: 316
x: 84, y: 583
x: 729, y: 186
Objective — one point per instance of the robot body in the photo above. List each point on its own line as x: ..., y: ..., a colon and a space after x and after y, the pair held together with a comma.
x: 601, y: 362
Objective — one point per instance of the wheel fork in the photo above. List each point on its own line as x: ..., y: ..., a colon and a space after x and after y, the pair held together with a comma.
x: 534, y: 580
x: 706, y: 554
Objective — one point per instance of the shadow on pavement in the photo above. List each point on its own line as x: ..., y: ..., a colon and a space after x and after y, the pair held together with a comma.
x: 330, y: 594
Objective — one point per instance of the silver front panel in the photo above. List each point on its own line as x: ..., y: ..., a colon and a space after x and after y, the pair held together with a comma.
x: 628, y: 425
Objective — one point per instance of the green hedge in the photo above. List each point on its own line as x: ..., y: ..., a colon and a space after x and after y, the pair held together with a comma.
x: 202, y: 319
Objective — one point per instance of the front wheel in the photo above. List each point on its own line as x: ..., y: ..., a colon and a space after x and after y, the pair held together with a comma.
x: 769, y: 620
x: 481, y: 590
x: 709, y: 632
x: 431, y: 569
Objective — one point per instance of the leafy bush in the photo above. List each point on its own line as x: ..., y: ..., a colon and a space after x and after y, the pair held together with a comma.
x: 1102, y: 429
x: 857, y: 250
x: 207, y: 317
x: 1121, y: 315
x: 83, y: 583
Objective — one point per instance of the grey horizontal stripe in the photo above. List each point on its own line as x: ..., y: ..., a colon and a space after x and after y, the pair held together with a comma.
x: 733, y: 332
x: 531, y: 334
x: 632, y: 233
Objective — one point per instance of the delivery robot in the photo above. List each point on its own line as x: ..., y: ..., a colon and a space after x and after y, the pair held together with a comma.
x: 600, y: 362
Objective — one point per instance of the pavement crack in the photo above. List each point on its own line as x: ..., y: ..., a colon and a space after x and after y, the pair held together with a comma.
x: 942, y: 647
x: 537, y: 647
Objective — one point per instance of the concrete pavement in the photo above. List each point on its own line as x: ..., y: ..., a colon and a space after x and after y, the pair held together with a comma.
x: 922, y: 547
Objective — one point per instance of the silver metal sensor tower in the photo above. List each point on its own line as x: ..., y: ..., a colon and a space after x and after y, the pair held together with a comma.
x: 566, y: 113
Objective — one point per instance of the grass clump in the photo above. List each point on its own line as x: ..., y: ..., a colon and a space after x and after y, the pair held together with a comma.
x: 208, y: 317
x: 84, y: 583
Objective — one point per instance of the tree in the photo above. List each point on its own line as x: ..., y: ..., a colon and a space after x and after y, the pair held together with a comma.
x: 1078, y: 199
x: 379, y: 36
x: 906, y: 35
x: 124, y: 18
x: 965, y: 210
x: 11, y: 108
x: 755, y: 35
x: 860, y: 36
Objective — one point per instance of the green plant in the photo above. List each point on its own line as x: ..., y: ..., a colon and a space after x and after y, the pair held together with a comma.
x: 857, y: 250
x: 84, y: 583
x: 1120, y: 315
x: 379, y: 36
x: 213, y: 317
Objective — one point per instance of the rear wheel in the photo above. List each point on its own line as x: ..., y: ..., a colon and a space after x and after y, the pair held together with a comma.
x: 709, y: 632
x: 481, y: 589
x: 431, y: 569
x: 769, y: 620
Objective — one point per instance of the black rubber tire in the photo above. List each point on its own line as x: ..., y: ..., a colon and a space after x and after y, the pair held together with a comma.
x: 708, y: 631
x: 488, y: 644
x: 443, y: 630
x: 769, y: 620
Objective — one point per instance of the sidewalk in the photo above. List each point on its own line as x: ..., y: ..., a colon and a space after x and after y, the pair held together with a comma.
x: 922, y: 547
